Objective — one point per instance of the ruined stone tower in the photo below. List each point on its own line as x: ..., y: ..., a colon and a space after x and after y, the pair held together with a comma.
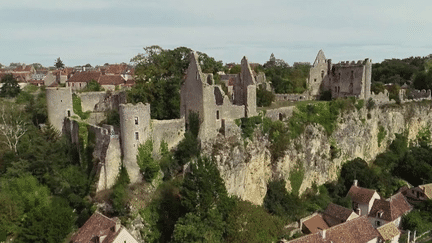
x: 59, y: 104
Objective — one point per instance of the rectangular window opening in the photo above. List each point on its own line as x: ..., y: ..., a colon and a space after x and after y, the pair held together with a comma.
x: 136, y: 136
x: 136, y: 120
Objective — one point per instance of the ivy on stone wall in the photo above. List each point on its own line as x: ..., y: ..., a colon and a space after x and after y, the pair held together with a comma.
x: 77, y: 108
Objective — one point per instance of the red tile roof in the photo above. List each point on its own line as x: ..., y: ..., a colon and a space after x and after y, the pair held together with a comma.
x: 360, y: 194
x: 388, y: 231
x: 358, y: 230
x: 96, y: 226
x: 26, y: 68
x: 116, y: 69
x: 111, y: 80
x: 84, y: 77
x: 315, y: 224
x: 392, y: 208
x: 338, y: 212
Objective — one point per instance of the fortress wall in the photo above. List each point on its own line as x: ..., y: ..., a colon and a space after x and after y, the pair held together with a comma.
x: 280, y: 113
x: 342, y: 76
x: 290, y: 97
x: 170, y: 131
x: 90, y: 99
x: 71, y: 128
x: 133, y: 135
x: 59, y: 104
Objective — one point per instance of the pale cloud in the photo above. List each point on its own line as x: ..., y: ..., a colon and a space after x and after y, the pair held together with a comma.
x: 96, y: 31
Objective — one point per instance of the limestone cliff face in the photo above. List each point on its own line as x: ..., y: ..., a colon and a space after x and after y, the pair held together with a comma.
x: 247, y: 169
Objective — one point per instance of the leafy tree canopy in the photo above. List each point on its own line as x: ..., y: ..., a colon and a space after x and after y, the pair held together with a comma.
x: 10, y: 86
x: 159, y: 75
x: 59, y: 63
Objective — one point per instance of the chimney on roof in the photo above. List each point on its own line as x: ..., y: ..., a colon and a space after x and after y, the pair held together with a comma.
x: 324, y: 234
x: 355, y: 182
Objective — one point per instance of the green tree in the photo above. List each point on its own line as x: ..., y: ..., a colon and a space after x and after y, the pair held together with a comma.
x: 264, y: 97
x: 10, y: 86
x: 14, y: 124
x: 159, y: 75
x: 207, y: 203
x: 148, y: 165
x: 252, y: 223
x: 59, y: 63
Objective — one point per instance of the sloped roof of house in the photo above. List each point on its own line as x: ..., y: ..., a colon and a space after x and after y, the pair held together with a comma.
x: 388, y: 231
x: 111, y: 80
x: 392, y: 208
x: 358, y: 230
x: 315, y: 224
x: 427, y: 188
x: 338, y: 212
x: 86, y: 77
x: 96, y: 226
x: 360, y: 194
x: 116, y: 69
x: 26, y: 68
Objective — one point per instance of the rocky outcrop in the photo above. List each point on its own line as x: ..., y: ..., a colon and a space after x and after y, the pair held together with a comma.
x: 246, y: 166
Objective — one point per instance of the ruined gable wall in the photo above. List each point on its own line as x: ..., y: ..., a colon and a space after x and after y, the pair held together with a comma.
x: 318, y: 75
x: 249, y: 87
x: 59, y: 102
x: 129, y: 141
x: 191, y: 94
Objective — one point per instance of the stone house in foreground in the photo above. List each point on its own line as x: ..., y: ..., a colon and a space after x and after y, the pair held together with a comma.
x: 358, y: 230
x: 419, y: 193
x: 362, y: 198
x: 101, y: 229
x: 390, y: 210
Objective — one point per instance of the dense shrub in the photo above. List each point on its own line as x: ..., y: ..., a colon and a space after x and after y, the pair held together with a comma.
x: 264, y: 97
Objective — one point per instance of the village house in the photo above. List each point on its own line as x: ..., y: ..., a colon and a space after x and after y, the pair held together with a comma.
x: 80, y: 80
x: 335, y: 214
x: 389, y: 210
x: 419, y: 193
x: 389, y: 233
x: 357, y: 230
x: 101, y: 229
x: 313, y: 224
x: 362, y: 198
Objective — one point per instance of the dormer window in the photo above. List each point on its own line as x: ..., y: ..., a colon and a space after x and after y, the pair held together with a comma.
x: 380, y: 214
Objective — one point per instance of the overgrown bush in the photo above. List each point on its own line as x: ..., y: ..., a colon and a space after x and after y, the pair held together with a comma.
x: 112, y: 118
x: 120, y: 195
x: 264, y: 97
x: 381, y: 135
x: 77, y: 108
x: 148, y: 165
x: 326, y: 95
x: 370, y: 104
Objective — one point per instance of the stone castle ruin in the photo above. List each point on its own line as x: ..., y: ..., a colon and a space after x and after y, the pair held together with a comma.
x: 217, y: 109
x: 344, y: 79
x: 218, y: 104
x: 114, y: 146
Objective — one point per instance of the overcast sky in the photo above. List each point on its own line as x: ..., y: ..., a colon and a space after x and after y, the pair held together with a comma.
x: 114, y: 31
